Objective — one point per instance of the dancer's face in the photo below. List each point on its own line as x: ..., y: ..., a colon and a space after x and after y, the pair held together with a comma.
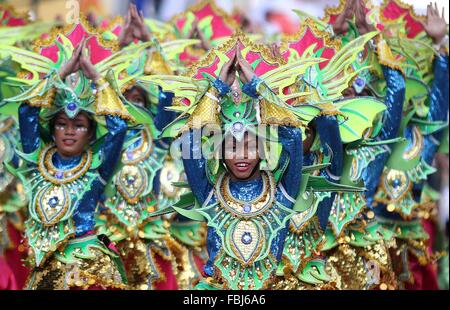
x: 72, y: 135
x: 242, y: 158
x: 137, y: 96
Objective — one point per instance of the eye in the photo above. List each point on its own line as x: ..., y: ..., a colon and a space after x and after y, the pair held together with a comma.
x: 60, y: 126
x: 80, y: 127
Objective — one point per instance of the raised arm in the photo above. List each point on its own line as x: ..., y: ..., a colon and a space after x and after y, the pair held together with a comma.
x: 29, y: 127
x: 112, y: 145
x: 163, y: 117
x: 395, y: 96
x: 328, y: 129
x: 291, y: 140
x: 438, y: 105
x: 195, y: 164
x: 193, y: 160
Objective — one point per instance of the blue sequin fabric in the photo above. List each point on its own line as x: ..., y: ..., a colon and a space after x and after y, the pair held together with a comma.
x: 395, y: 96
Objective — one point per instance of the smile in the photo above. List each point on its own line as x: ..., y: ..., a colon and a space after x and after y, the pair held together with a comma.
x: 69, y: 142
x: 242, y: 166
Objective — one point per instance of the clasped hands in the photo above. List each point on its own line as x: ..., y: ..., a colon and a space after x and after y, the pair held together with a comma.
x: 236, y: 64
x: 80, y: 61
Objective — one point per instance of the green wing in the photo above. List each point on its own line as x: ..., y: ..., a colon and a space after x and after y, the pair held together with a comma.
x: 172, y: 49
x: 335, y: 77
x: 322, y: 26
x: 13, y: 35
x: 181, y: 86
x: 29, y: 61
x: 287, y: 75
x: 356, y: 115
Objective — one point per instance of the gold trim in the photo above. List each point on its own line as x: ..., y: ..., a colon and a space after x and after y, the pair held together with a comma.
x: 402, y: 5
x: 39, y: 44
x: 221, y: 280
x: 146, y: 137
x: 44, y: 101
x: 256, y: 252
x: 385, y: 56
x: 217, y: 10
x: 39, y: 207
x: 107, y: 102
x: 329, y: 10
x: 228, y: 45
x: 267, y: 196
x: 325, y: 36
x: 45, y: 166
x: 117, y: 20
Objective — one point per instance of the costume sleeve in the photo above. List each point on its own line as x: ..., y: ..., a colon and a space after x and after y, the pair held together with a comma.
x: 392, y: 116
x: 112, y: 145
x: 328, y: 129
x: 29, y: 127
x: 29, y: 115
x: 164, y: 117
x: 291, y: 140
x: 84, y: 216
x: 438, y: 106
x: 195, y: 164
x: 395, y: 96
x: 221, y: 87
x: 110, y: 154
x: 109, y: 104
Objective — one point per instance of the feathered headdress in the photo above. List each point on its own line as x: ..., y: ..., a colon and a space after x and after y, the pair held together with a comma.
x: 195, y: 98
x: 326, y: 81
x: 41, y: 85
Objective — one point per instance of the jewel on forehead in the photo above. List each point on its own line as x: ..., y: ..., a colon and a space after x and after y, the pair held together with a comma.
x: 359, y: 82
x: 72, y: 106
x: 59, y: 175
x: 238, y: 126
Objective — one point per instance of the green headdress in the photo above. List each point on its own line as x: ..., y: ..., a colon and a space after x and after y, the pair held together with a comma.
x: 41, y: 85
x: 405, y: 35
x: 324, y: 82
x: 196, y: 99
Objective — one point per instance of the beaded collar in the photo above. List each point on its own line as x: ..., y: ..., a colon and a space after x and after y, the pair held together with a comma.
x: 57, y: 176
x: 246, y: 209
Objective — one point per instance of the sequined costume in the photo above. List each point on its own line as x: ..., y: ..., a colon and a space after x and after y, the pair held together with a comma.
x: 65, y: 196
x: 63, y: 193
x: 16, y: 30
x: 247, y: 192
x: 143, y: 241
x: 12, y: 203
x: 153, y: 259
x: 354, y: 234
x: 229, y: 264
